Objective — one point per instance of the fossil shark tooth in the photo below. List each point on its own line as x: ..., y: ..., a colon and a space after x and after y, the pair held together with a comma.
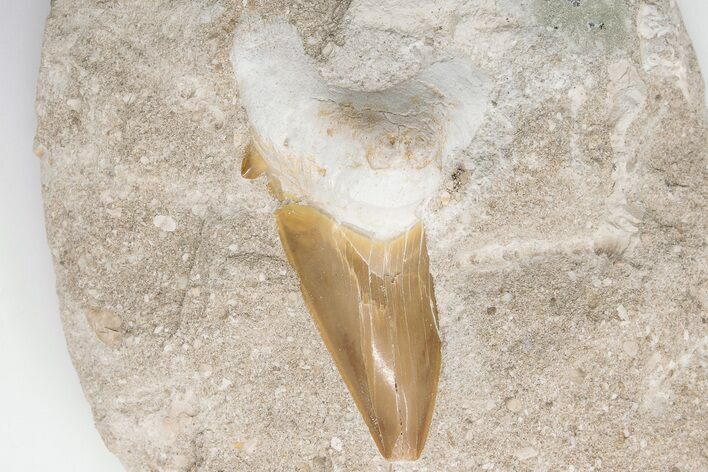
x: 355, y: 169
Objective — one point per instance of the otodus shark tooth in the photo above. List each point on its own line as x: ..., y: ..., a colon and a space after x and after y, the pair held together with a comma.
x: 374, y: 306
x: 359, y: 167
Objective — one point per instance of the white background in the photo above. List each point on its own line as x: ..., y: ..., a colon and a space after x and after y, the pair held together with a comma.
x: 45, y: 423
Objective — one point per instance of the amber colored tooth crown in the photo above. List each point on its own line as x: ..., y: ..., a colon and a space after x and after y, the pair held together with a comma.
x: 374, y: 306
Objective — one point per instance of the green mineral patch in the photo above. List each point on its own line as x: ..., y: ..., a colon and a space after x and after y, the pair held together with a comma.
x: 600, y: 25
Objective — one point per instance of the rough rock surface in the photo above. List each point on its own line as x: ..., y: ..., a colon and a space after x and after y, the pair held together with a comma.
x: 567, y: 245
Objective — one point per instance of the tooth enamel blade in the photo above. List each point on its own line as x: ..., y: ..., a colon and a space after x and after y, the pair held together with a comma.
x: 374, y: 306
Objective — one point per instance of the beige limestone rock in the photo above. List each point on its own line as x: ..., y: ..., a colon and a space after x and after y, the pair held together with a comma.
x: 583, y: 191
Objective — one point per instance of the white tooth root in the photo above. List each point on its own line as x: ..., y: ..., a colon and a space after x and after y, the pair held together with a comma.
x: 368, y: 159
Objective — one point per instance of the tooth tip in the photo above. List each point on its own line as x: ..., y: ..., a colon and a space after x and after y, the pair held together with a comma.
x: 374, y: 306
